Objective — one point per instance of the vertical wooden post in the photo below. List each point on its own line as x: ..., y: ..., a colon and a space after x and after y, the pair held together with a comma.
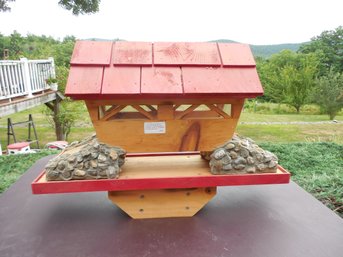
x: 26, y: 76
x: 58, y: 124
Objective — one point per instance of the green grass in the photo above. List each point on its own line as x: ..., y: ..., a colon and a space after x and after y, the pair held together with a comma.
x: 260, y: 117
x: 316, y: 167
x: 293, y: 132
x: 13, y: 166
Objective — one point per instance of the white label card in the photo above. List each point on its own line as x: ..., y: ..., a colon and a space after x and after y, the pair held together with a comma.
x: 155, y: 127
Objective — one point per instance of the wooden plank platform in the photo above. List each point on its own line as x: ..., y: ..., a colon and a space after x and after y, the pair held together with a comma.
x: 159, y: 172
x: 23, y: 103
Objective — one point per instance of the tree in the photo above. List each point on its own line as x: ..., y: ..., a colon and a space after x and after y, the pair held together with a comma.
x: 329, y: 47
x: 76, y: 6
x: 328, y: 93
x: 15, y: 45
x: 288, y: 77
x: 3, y: 5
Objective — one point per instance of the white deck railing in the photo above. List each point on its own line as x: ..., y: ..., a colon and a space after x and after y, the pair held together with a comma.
x: 24, y: 77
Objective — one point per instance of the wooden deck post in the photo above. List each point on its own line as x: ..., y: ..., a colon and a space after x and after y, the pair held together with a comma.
x: 26, y: 75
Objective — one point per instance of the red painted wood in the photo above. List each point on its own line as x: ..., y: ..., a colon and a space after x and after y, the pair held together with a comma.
x: 74, y: 186
x: 161, y: 80
x: 132, y: 53
x: 92, y: 53
x: 83, y: 81
x: 241, y: 81
x: 236, y: 55
x: 18, y: 146
x: 183, y: 70
x: 186, y: 54
x: 121, y: 80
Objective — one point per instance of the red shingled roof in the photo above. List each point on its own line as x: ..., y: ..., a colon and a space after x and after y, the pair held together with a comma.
x: 113, y: 70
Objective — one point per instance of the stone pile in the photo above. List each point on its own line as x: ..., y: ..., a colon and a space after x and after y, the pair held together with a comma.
x: 241, y: 155
x: 88, y: 159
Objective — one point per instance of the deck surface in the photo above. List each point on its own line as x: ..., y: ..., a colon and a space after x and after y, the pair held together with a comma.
x: 256, y: 221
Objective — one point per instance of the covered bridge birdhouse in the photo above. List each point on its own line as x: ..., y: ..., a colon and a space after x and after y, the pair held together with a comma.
x: 163, y: 97
x: 164, y: 103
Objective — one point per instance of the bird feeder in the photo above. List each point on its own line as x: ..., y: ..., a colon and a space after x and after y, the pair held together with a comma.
x: 164, y: 103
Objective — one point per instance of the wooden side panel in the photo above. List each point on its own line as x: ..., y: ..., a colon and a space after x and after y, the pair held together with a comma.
x: 195, y: 54
x: 121, y: 80
x: 143, y: 204
x: 241, y: 81
x: 166, y: 80
x: 84, y: 80
x: 92, y: 53
x: 236, y: 55
x: 132, y: 53
x: 180, y: 135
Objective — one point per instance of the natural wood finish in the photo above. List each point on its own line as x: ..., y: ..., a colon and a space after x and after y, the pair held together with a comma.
x: 165, y: 112
x: 112, y: 111
x: 202, y: 115
x: 144, y: 112
x: 185, y: 112
x: 130, y: 135
x: 219, y: 111
x: 188, y: 131
x: 152, y: 108
x: 236, y: 109
x: 163, y: 203
x: 93, y: 111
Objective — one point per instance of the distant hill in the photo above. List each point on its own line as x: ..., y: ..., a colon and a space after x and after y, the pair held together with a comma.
x: 266, y: 51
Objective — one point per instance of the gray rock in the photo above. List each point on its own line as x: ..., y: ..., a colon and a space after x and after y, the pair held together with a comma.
x: 272, y: 164
x: 250, y: 160
x: 244, y: 152
x: 94, y: 155
x: 219, y: 154
x: 261, y: 167
x: 230, y: 146
x: 226, y: 159
x: 233, y: 155
x: 251, y: 169
x: 113, y: 155
x: 241, y: 155
x: 61, y: 165
x: 87, y: 159
x: 102, y: 158
x: 259, y: 157
x: 93, y: 163
x: 240, y: 160
x: 80, y: 173
x: 227, y: 167
x: 239, y: 167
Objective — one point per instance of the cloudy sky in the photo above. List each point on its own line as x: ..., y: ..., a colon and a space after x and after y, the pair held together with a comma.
x: 246, y: 21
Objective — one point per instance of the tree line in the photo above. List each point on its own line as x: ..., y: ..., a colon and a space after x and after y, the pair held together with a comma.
x: 313, y: 74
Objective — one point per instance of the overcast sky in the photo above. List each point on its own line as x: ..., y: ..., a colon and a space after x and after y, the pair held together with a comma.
x: 246, y: 21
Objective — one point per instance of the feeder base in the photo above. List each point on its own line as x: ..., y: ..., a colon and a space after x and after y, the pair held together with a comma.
x: 162, y: 203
